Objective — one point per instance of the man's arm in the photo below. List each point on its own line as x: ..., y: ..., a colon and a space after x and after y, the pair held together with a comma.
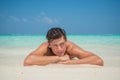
x: 91, y: 59
x: 37, y: 57
x: 43, y: 60
x: 85, y: 57
x: 40, y: 60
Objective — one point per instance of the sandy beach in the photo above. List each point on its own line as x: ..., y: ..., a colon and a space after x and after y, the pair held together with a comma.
x: 13, y: 70
x: 92, y: 25
x: 13, y: 53
x: 58, y: 72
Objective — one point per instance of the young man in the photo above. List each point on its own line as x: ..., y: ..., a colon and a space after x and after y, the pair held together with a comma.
x: 60, y: 50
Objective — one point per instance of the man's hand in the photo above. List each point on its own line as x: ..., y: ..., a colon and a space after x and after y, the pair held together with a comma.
x: 64, y: 58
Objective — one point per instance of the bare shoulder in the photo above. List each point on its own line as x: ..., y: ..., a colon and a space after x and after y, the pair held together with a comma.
x: 71, y: 46
x: 42, y: 49
x: 44, y: 44
x: 75, y: 50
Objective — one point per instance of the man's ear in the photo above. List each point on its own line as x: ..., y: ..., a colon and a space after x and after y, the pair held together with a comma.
x: 49, y: 45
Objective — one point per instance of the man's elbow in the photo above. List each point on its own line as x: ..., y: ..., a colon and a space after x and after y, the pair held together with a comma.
x: 100, y: 62
x: 27, y: 62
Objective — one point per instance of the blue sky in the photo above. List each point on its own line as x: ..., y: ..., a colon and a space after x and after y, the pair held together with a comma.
x: 75, y: 16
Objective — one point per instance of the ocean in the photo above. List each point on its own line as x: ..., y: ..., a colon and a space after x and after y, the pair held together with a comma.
x: 14, y: 48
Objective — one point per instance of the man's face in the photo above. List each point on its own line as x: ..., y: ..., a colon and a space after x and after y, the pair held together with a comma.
x: 58, y: 46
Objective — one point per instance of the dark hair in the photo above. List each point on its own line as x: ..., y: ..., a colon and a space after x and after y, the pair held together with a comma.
x: 55, y: 33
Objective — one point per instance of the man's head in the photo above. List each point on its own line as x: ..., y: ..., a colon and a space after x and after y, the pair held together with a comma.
x: 55, y: 33
x: 57, y: 40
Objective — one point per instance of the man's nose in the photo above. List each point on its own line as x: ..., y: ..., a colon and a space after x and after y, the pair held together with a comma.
x: 59, y: 48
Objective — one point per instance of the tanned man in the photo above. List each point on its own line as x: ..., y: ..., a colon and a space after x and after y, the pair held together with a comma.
x: 59, y: 50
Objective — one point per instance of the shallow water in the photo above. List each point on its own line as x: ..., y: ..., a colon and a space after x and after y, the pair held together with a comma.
x: 14, y: 48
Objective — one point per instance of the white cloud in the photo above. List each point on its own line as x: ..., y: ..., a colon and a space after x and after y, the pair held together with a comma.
x: 46, y: 19
x: 24, y: 20
x: 37, y: 19
x: 16, y: 19
x: 56, y: 21
x: 49, y: 20
x: 43, y: 13
x: 13, y: 18
x: 43, y: 18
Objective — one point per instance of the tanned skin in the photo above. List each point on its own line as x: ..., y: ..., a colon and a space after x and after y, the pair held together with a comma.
x: 61, y: 51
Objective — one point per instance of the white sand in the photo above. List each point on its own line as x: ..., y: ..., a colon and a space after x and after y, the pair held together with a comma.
x: 11, y: 68
x: 59, y: 72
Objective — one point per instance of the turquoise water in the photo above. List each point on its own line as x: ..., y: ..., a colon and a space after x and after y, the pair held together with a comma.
x: 14, y: 48
x: 81, y: 40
